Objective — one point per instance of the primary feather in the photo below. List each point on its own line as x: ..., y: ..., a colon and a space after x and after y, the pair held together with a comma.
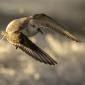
x: 19, y: 40
x: 34, y: 51
x: 46, y: 22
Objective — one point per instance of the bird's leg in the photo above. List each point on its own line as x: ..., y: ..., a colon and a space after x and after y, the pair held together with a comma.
x: 39, y: 30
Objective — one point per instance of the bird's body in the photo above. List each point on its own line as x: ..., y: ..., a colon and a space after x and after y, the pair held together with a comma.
x: 18, y: 31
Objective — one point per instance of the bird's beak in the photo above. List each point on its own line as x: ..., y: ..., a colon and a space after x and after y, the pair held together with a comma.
x: 3, y: 34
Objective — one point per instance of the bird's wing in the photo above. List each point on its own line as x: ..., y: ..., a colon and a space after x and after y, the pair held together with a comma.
x: 44, y: 21
x: 34, y: 51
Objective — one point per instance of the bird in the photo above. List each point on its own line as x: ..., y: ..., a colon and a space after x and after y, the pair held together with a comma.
x: 19, y: 30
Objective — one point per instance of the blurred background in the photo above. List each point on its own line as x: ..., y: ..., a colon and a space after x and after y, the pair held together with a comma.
x: 17, y: 68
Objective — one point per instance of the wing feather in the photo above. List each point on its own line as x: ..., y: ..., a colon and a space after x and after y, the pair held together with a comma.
x: 44, y: 21
x: 34, y: 51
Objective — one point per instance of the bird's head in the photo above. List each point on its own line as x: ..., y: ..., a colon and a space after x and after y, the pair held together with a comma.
x: 16, y: 25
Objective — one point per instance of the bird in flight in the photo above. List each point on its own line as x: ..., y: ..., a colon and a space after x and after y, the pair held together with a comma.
x: 19, y: 30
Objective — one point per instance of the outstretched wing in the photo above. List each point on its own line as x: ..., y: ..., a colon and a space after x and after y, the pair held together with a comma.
x: 34, y: 51
x: 44, y: 21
